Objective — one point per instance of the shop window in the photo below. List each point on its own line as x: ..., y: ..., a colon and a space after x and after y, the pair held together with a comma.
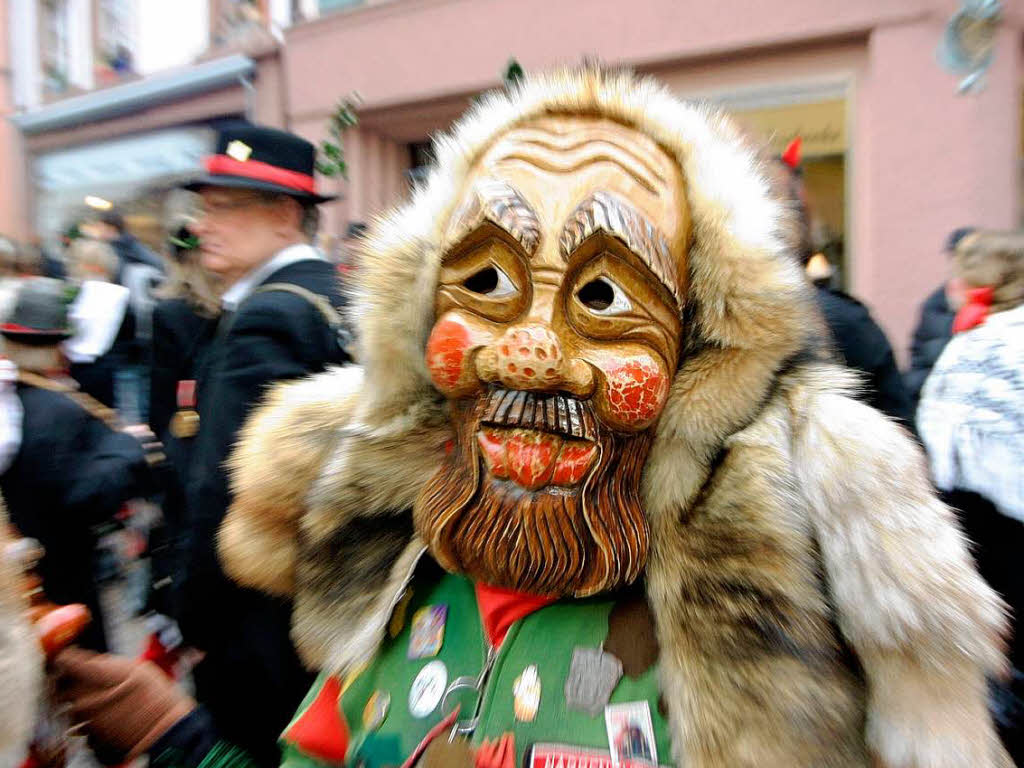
x: 237, y: 19
x: 821, y: 125
x: 55, y: 46
x: 116, y: 41
x: 421, y: 157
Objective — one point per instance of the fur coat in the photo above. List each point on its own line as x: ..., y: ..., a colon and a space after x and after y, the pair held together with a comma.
x: 815, y: 604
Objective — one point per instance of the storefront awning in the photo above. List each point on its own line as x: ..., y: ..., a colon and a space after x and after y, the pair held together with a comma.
x: 135, y: 96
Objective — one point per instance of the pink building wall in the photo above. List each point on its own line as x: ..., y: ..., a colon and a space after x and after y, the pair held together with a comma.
x: 13, y: 205
x: 921, y: 159
x: 926, y: 160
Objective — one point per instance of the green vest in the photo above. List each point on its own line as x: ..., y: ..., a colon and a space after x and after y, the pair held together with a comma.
x: 544, y: 639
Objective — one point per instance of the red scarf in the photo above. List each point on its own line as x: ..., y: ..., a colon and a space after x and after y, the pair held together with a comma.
x: 501, y: 608
x: 975, y: 308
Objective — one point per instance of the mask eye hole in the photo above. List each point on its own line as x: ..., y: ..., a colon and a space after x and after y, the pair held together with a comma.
x: 491, y: 282
x: 603, y: 297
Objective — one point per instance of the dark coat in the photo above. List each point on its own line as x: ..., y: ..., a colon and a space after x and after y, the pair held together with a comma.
x: 864, y: 347
x: 130, y: 251
x: 98, y: 379
x: 996, y: 541
x: 251, y: 679
x: 933, y: 332
x: 71, y: 473
x: 181, y: 338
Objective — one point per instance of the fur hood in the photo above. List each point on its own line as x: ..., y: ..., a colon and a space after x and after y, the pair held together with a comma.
x: 813, y: 600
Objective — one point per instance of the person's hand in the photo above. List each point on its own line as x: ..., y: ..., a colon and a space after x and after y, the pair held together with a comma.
x: 123, y: 705
x: 151, y: 445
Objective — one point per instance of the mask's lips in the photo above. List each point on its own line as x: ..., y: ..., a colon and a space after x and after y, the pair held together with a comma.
x: 536, y: 439
x: 533, y: 459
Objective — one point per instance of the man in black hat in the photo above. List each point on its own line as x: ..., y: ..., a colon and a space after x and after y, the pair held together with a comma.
x: 257, y: 215
x: 74, y: 468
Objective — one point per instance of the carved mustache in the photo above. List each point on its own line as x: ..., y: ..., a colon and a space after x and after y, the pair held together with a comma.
x: 556, y: 413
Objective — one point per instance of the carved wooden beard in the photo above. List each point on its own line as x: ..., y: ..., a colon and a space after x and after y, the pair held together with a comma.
x: 578, y: 541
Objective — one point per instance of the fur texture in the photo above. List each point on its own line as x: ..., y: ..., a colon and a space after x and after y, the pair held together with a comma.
x: 815, y: 604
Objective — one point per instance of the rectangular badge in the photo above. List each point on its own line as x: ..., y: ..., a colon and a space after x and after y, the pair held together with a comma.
x: 567, y: 756
x: 427, y: 632
x: 630, y: 733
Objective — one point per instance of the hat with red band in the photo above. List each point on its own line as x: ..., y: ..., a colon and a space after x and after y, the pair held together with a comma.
x: 256, y: 157
x: 40, y: 316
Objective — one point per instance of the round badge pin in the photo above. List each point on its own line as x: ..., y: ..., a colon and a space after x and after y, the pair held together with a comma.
x: 376, y: 710
x: 427, y: 689
x: 526, y: 694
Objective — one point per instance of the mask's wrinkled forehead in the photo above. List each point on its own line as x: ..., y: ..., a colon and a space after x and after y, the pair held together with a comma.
x: 554, y: 181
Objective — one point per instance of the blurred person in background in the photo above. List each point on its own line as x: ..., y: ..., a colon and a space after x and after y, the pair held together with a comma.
x: 184, y: 322
x: 51, y: 263
x: 130, y: 252
x: 74, y: 468
x: 860, y: 343
x: 140, y: 271
x: 256, y: 217
x: 104, y: 339
x: 935, y: 328
x: 971, y: 420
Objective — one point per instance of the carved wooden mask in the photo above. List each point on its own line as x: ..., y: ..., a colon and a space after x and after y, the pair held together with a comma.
x: 558, y: 332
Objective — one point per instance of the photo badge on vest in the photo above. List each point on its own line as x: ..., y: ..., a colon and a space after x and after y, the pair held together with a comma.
x: 630, y: 732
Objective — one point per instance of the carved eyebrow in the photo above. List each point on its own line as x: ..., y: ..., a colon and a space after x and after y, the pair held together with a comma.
x: 500, y: 204
x: 606, y: 213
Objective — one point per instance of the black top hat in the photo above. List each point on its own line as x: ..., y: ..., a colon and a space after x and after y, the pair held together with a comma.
x: 40, y: 314
x: 256, y: 157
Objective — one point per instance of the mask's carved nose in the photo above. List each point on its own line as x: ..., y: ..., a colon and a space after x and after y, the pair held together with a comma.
x: 530, y: 357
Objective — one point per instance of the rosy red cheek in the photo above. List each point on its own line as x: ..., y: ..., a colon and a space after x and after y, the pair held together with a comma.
x: 446, y: 351
x: 636, y: 392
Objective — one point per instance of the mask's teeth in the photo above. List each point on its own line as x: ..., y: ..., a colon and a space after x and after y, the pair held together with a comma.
x: 514, y: 414
x: 553, y: 413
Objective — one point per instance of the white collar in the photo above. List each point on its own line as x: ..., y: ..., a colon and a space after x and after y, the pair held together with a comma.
x: 243, y: 288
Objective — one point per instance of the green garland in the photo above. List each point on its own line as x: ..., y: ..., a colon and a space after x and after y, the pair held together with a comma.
x: 331, y: 157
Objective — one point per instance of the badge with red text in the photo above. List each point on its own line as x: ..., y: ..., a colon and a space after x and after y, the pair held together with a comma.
x: 630, y: 733
x: 567, y: 756
x: 427, y: 632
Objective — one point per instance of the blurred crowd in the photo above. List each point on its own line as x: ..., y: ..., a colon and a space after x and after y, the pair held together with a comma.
x: 106, y: 342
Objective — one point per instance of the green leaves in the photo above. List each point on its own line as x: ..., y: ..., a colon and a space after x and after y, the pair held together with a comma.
x: 185, y: 243
x: 513, y: 73
x: 331, y: 156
